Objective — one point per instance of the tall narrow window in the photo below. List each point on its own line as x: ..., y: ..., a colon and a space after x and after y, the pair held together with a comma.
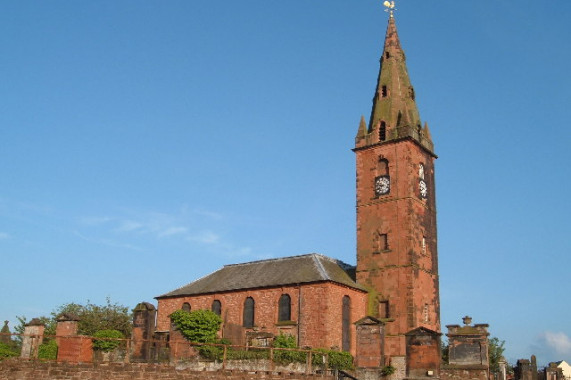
x: 217, y: 307
x: 387, y: 55
x: 249, y: 312
x: 380, y: 242
x: 346, y: 332
x: 284, y: 308
x: 383, y: 166
x: 384, y: 309
x: 384, y: 91
x: 425, y: 314
x: 383, y: 131
x: 186, y: 307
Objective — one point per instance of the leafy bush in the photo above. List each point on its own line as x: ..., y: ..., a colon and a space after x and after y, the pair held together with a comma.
x: 199, y: 326
x: 388, y: 370
x: 335, y: 359
x: 48, y: 350
x: 6, y: 351
x: 110, y: 340
x: 284, y: 356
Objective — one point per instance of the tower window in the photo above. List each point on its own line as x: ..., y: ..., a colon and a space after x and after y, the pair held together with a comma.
x: 384, y: 91
x: 284, y: 308
x: 380, y: 242
x: 423, y: 245
x: 387, y: 55
x: 346, y: 324
x: 411, y: 93
x: 384, y: 309
x: 425, y: 314
x: 383, y: 131
x: 248, y: 313
x: 217, y: 307
x: 383, y: 166
x: 421, y: 171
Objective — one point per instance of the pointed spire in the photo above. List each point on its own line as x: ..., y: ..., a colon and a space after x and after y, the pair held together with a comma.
x: 394, y: 107
x: 362, y: 132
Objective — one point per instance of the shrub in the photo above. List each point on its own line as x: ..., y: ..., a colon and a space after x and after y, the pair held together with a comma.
x: 110, y: 340
x: 285, y: 356
x: 388, y: 370
x: 6, y: 351
x: 199, y: 326
x: 48, y: 350
x: 335, y: 359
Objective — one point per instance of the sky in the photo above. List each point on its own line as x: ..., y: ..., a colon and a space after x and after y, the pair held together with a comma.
x: 144, y: 144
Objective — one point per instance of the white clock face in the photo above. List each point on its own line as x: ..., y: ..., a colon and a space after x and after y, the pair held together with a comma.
x: 382, y: 185
x: 423, y: 189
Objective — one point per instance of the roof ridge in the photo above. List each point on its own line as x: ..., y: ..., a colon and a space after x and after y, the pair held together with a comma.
x: 276, y: 259
x: 192, y: 282
x: 320, y: 268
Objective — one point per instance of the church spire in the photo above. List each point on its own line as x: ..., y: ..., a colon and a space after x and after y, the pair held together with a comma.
x: 394, y: 115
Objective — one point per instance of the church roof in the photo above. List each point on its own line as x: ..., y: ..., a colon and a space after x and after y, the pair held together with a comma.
x: 271, y: 273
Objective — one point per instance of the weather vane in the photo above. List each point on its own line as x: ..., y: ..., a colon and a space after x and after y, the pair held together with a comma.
x: 390, y: 7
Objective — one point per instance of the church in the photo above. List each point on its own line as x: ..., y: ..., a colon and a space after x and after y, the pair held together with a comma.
x: 325, y: 303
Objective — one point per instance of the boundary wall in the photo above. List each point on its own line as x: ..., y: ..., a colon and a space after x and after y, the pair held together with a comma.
x: 17, y: 369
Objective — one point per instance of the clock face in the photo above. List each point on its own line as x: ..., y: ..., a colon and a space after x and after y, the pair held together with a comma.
x: 423, y: 189
x: 382, y: 185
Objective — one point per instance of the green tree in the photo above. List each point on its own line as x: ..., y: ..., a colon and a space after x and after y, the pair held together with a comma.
x: 92, y: 318
x: 495, y: 352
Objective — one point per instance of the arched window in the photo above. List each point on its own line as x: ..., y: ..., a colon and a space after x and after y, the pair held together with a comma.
x: 217, y: 307
x: 284, y: 308
x: 383, y: 131
x: 248, y: 312
x: 186, y: 307
x: 346, y: 317
x: 421, y: 171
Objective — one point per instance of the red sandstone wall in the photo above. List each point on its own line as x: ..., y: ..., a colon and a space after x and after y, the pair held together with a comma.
x: 321, y: 306
x: 404, y: 274
x: 33, y: 370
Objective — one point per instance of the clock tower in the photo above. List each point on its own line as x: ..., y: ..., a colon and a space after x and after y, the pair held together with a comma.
x: 396, y: 209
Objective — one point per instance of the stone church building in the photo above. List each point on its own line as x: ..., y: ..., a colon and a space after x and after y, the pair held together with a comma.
x: 386, y: 309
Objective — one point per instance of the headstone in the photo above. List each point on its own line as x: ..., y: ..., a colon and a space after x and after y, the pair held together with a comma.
x: 144, y: 315
x: 468, y: 344
x: 33, y: 337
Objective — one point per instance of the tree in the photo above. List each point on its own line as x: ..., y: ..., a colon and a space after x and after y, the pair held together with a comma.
x: 92, y: 318
x: 495, y: 352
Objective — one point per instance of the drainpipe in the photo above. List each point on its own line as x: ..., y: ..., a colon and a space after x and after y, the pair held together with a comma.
x: 298, y: 314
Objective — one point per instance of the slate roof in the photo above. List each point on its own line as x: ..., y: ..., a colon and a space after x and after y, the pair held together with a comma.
x: 271, y: 273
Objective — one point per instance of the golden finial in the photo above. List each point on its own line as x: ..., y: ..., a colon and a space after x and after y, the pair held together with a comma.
x: 390, y: 7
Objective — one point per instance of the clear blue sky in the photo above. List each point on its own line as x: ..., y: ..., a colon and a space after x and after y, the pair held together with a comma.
x: 147, y: 143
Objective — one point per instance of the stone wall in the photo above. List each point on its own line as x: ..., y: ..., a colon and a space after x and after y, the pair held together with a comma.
x: 464, y: 373
x: 34, y: 370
